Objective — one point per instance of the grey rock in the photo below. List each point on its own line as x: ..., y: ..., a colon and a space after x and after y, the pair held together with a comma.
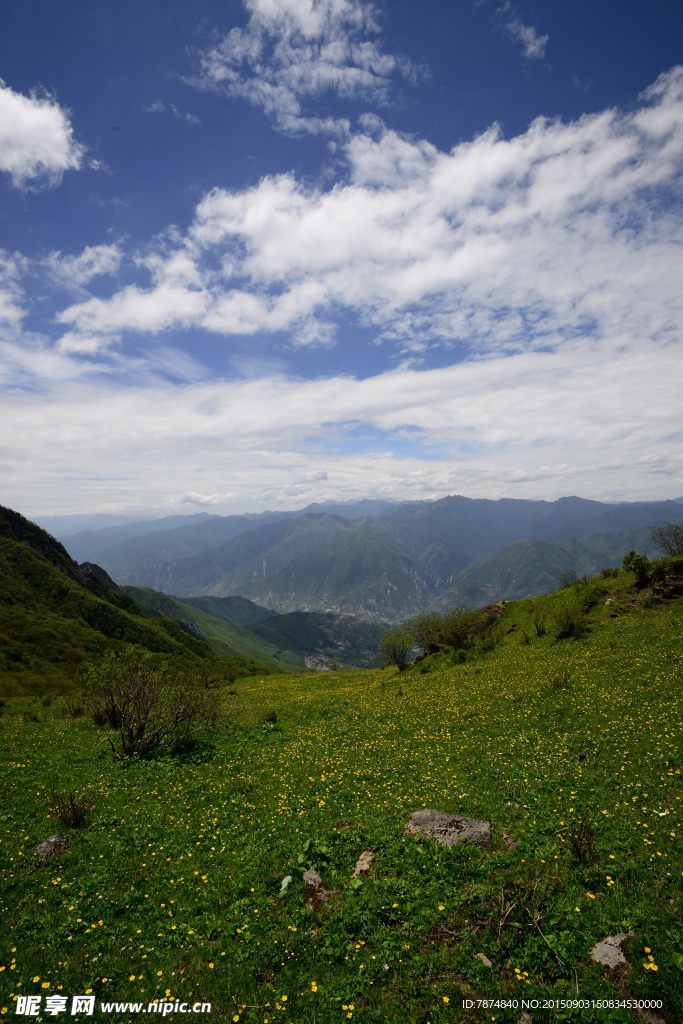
x: 449, y: 829
x: 484, y: 959
x: 608, y: 952
x: 51, y: 847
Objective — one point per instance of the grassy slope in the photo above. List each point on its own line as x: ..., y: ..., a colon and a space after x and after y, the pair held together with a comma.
x: 50, y: 622
x: 176, y: 882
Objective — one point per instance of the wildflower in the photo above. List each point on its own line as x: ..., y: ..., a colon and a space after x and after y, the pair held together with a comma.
x: 314, y: 986
x: 445, y: 999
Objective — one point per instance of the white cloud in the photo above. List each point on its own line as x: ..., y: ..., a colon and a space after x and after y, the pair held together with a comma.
x: 11, y: 295
x: 293, y: 51
x: 531, y: 41
x: 79, y: 270
x: 170, y: 108
x: 496, y: 245
x: 37, y: 141
x: 588, y: 418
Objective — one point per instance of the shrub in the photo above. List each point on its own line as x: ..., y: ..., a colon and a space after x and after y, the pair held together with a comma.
x: 395, y: 647
x: 71, y: 809
x: 669, y: 538
x: 567, y: 579
x: 560, y: 680
x: 149, y: 705
x: 570, y: 621
x: 638, y: 564
x: 582, y: 840
x: 609, y: 573
x: 538, y: 618
x: 461, y: 629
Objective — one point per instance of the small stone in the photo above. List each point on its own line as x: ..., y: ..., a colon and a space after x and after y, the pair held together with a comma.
x: 449, y: 829
x: 363, y: 864
x: 509, y: 840
x: 314, y: 890
x: 484, y: 959
x: 51, y: 847
x: 608, y: 952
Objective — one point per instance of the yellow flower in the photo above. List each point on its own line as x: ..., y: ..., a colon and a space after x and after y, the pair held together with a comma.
x: 441, y: 906
x: 132, y: 978
x: 283, y: 998
x: 445, y: 999
x: 37, y: 978
x: 314, y: 986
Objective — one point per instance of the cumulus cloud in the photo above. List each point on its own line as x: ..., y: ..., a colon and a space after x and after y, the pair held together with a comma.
x: 293, y: 51
x: 496, y: 245
x: 531, y: 41
x: 37, y: 143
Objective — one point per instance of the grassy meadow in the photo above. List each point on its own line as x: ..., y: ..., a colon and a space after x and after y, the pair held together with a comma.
x: 176, y: 888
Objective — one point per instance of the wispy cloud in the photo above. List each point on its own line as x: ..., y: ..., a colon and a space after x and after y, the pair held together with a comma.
x: 294, y: 51
x: 78, y: 270
x: 170, y: 108
x: 37, y: 143
x: 531, y: 41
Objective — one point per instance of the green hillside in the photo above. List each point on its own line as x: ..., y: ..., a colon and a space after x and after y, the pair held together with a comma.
x: 571, y: 749
x: 56, y: 615
x: 530, y: 567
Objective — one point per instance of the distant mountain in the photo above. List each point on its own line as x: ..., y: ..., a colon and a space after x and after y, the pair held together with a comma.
x: 315, y: 640
x: 378, y: 561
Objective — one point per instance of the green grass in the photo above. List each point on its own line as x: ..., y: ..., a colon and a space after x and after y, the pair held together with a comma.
x: 176, y: 882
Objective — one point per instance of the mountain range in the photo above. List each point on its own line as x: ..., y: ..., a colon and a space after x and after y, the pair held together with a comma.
x: 375, y: 560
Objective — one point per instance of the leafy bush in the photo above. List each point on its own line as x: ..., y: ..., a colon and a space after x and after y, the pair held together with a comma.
x: 638, y: 564
x: 395, y: 647
x: 150, y: 706
x: 609, y: 573
x: 461, y: 629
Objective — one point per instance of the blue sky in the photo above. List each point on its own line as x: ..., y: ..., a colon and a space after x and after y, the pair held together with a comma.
x: 258, y: 253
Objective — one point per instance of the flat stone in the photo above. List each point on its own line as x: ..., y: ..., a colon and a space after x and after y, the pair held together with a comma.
x: 363, y: 864
x: 608, y: 951
x: 484, y: 959
x: 51, y: 847
x: 449, y: 829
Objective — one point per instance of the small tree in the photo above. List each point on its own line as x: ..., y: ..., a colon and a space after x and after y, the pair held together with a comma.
x: 426, y: 629
x: 669, y: 538
x: 395, y: 646
x: 149, y: 705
